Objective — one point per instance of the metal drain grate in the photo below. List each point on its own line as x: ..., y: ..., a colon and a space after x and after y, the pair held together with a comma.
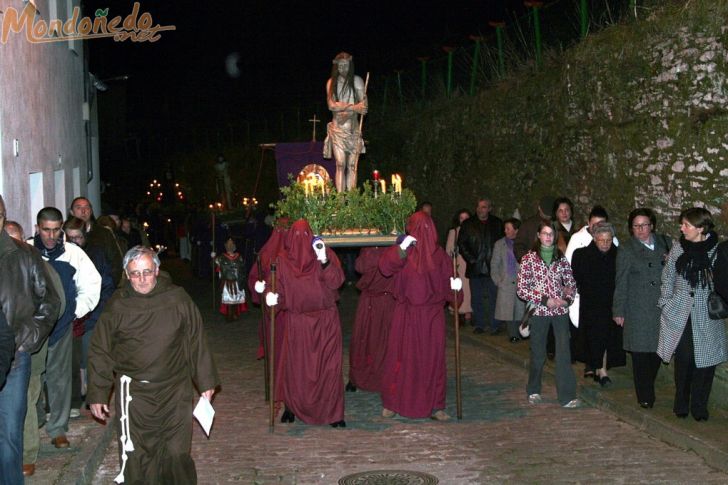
x: 389, y: 477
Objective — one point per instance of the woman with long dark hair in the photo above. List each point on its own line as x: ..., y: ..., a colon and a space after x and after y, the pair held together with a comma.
x: 687, y: 332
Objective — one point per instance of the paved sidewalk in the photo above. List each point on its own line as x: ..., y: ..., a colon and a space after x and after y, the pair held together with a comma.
x: 500, y: 439
x: 708, y: 439
x: 79, y: 462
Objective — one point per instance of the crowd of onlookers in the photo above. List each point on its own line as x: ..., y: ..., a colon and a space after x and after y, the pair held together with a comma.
x: 580, y: 295
x: 54, y: 285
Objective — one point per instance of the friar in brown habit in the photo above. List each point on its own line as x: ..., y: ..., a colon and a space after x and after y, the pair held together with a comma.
x: 150, y: 343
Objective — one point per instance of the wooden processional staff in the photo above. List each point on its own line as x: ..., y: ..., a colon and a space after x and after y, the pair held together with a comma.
x: 272, y: 348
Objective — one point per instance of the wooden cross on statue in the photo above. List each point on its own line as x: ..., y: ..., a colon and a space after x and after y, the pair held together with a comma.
x: 314, y: 120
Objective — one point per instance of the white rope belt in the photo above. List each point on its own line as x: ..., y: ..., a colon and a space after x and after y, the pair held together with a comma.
x: 126, y: 444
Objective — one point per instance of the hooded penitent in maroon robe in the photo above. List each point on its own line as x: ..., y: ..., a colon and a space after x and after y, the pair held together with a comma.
x: 368, y: 345
x: 310, y: 366
x: 415, y: 377
x: 269, y: 254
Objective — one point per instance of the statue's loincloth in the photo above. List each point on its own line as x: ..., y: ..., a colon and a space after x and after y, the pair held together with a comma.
x: 337, y: 136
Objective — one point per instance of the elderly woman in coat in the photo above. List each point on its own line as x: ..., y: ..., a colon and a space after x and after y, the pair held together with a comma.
x: 594, y: 269
x: 504, y: 271
x: 640, y: 261
x: 697, y: 342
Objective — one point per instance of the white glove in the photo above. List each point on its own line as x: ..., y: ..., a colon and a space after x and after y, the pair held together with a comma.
x: 271, y: 299
x: 456, y: 284
x: 524, y: 331
x: 320, y: 249
x: 213, y: 254
x: 259, y: 286
x: 407, y: 242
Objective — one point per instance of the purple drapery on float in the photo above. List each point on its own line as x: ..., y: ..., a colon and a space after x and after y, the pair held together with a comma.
x: 292, y: 157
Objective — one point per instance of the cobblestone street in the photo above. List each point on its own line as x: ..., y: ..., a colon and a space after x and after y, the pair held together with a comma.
x: 500, y: 439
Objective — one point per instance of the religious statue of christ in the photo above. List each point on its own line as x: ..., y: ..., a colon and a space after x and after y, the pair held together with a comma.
x: 346, y: 98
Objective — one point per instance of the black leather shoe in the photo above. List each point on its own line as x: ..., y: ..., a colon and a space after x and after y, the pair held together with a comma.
x: 288, y: 417
x: 701, y: 418
x: 605, y: 381
x: 588, y: 373
x: 646, y: 405
x: 515, y: 339
x: 681, y: 415
x: 339, y: 424
x: 350, y: 387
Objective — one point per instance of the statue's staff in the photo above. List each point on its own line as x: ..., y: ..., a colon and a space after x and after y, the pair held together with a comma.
x: 360, y: 136
x: 265, y: 340
x: 458, y: 389
x: 271, y: 346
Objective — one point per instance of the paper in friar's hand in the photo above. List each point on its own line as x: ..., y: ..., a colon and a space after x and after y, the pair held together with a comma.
x: 204, y: 414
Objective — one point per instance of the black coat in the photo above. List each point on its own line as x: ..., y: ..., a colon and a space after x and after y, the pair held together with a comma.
x: 720, y: 270
x: 475, y: 243
x: 594, y: 272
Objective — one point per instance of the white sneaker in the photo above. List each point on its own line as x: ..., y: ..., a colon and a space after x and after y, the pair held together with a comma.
x: 574, y: 403
x: 388, y: 413
x: 74, y: 413
x: 534, y: 398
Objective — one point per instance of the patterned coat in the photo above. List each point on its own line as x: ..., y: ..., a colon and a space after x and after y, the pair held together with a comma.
x: 637, y: 290
x: 679, y: 301
x: 538, y: 282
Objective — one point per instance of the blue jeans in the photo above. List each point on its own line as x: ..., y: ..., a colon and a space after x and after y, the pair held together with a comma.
x: 13, y: 403
x: 478, y: 287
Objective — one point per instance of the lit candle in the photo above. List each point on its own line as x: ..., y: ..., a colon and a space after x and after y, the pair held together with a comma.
x: 306, y: 187
x: 384, y: 186
x: 322, y: 186
x: 397, y: 183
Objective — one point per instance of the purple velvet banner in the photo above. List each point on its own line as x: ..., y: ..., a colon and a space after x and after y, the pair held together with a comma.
x: 292, y: 157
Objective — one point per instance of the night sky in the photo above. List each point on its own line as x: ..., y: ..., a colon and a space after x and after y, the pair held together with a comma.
x: 285, y: 48
x: 179, y: 98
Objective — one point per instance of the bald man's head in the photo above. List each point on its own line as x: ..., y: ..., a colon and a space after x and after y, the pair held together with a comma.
x: 14, y: 230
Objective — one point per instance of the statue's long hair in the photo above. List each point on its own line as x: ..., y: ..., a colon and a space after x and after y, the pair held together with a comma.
x: 348, y: 81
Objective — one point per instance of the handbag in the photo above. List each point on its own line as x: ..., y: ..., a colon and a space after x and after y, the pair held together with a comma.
x: 717, y: 307
x: 524, y: 328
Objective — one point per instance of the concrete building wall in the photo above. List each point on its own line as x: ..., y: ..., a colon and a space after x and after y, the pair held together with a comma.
x: 41, y: 106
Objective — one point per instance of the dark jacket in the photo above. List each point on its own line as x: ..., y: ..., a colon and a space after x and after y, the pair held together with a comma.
x: 637, y: 289
x: 720, y: 270
x: 107, y: 285
x: 7, y: 348
x: 28, y: 300
x: 475, y: 243
x: 103, y: 238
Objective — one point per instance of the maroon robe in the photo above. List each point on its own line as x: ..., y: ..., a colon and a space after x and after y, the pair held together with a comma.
x: 269, y: 254
x: 311, y: 360
x: 368, y: 345
x: 415, y: 376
